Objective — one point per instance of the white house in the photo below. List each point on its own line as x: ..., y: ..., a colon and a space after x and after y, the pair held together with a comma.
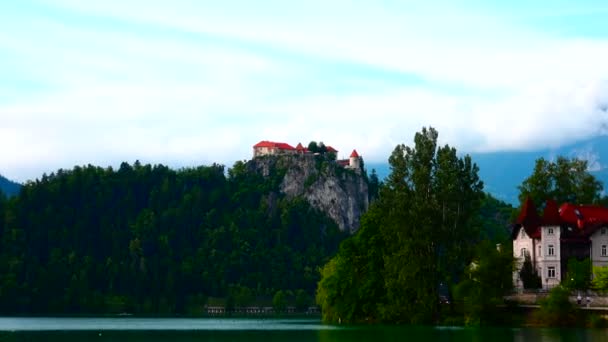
x: 562, y: 233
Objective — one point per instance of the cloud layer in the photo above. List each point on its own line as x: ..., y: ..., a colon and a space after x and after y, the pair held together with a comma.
x: 186, y: 83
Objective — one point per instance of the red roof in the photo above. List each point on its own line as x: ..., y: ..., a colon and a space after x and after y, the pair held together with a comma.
x: 354, y: 154
x: 551, y: 214
x: 331, y: 149
x: 272, y: 144
x: 586, y: 218
x: 528, y: 218
x: 301, y: 148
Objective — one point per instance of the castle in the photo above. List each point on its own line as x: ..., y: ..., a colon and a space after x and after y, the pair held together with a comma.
x: 266, y: 148
x: 550, y: 240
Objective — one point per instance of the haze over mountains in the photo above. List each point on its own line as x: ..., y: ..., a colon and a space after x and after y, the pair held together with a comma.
x: 8, y: 187
x: 502, y: 172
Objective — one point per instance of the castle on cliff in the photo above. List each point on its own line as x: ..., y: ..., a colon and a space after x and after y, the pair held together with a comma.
x: 271, y: 148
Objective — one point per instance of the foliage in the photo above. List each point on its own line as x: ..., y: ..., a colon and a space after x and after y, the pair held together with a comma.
x: 495, y: 218
x: 302, y: 300
x: 564, y: 180
x: 528, y: 274
x: 578, y: 276
x: 373, y: 186
x: 279, y: 301
x: 600, y: 278
x: 486, y: 281
x: 556, y: 309
x: 416, y: 235
x: 148, y: 239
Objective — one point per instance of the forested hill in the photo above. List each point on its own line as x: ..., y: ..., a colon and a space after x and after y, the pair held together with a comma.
x: 149, y: 239
x: 8, y: 187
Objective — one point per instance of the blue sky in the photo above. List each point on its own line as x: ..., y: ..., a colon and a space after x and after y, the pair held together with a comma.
x: 194, y: 82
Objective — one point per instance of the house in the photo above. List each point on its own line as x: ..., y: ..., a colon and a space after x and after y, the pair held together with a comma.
x: 265, y: 148
x: 561, y: 233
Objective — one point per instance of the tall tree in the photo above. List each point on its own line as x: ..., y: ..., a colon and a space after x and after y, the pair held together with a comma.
x: 563, y: 180
x: 418, y: 234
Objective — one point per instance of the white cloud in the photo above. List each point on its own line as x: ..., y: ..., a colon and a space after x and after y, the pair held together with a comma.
x: 186, y: 84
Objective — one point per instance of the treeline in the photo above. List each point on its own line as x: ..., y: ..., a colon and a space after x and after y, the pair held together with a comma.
x: 149, y: 239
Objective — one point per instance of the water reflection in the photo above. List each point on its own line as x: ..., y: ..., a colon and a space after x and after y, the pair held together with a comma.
x: 266, y: 330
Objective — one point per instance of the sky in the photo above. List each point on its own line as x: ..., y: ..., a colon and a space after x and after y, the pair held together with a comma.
x: 191, y: 82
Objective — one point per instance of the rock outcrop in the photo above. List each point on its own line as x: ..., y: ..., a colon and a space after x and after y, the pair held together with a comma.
x: 340, y: 193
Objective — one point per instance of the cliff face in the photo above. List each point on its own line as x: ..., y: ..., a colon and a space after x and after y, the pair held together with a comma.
x: 340, y: 193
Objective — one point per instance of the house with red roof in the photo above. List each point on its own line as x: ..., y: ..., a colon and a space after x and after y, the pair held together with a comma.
x: 264, y: 148
x: 561, y: 233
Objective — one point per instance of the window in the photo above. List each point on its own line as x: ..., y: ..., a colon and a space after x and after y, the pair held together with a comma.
x: 604, y: 251
x: 524, y: 252
x: 550, y: 250
x: 603, y: 231
x: 539, y: 251
x: 550, y: 231
x: 551, y: 272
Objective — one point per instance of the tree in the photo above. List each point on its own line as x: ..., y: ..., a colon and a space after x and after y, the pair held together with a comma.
x: 279, y: 301
x: 556, y: 309
x: 563, y: 180
x: 373, y: 186
x: 528, y: 274
x: 487, y: 281
x: 579, y: 274
x: 313, y: 147
x: 417, y: 234
x: 600, y: 279
x: 302, y: 300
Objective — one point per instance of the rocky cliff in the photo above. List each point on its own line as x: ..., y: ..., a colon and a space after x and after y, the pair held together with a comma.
x: 340, y: 193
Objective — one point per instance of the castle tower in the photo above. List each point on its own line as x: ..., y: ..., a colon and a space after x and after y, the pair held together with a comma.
x: 354, y: 160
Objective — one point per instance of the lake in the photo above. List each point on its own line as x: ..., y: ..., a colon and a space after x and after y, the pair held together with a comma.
x: 262, y: 330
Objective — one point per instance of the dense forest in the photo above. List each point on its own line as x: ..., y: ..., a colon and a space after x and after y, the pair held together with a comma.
x: 149, y: 239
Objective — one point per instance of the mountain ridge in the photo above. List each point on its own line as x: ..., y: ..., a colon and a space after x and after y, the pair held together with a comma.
x: 8, y: 187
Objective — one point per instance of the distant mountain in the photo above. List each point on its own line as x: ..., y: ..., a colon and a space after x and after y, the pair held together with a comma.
x: 8, y: 187
x: 502, y: 172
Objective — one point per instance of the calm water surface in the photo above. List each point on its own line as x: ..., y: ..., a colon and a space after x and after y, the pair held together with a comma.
x: 259, y: 330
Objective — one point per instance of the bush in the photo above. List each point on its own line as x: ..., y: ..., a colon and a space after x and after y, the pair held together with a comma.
x: 556, y: 309
x: 596, y: 321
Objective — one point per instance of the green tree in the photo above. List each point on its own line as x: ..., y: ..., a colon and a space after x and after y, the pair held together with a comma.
x: 564, y: 180
x: 279, y: 301
x: 487, y: 281
x: 578, y: 276
x: 418, y: 234
x: 302, y: 300
x: 600, y: 279
x: 313, y: 147
x: 373, y: 185
x: 528, y: 274
x: 556, y: 309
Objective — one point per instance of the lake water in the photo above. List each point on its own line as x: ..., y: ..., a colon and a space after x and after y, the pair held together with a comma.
x: 262, y: 330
